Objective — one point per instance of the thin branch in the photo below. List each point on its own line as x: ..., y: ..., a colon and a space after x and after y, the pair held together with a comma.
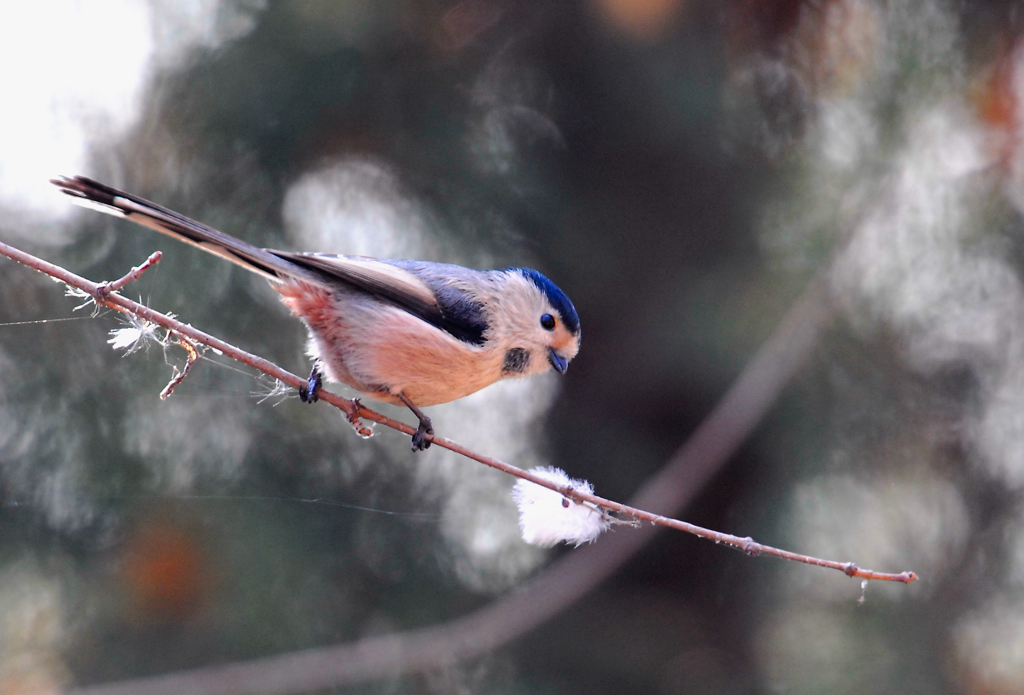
x: 193, y: 357
x: 105, y: 288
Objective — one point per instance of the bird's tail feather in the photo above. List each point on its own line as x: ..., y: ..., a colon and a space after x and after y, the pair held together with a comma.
x: 120, y: 204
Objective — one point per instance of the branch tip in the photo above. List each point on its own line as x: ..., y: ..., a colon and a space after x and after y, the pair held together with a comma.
x: 193, y: 357
x: 104, y: 289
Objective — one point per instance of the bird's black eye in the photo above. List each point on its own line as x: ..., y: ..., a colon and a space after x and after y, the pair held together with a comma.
x: 547, y: 322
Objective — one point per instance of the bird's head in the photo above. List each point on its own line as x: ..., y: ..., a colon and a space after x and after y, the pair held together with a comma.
x: 535, y: 324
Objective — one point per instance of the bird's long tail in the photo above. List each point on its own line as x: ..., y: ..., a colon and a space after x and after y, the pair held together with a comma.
x: 120, y: 204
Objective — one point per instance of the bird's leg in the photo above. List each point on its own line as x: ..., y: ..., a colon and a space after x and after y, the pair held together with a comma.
x: 419, y: 439
x: 308, y: 393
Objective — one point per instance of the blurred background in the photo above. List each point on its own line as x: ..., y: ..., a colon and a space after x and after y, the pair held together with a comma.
x: 682, y: 169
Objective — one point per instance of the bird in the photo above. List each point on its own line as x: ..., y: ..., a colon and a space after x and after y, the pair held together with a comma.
x: 407, y: 332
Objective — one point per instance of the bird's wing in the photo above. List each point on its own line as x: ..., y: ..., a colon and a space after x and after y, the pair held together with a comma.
x: 440, y: 306
x: 416, y: 287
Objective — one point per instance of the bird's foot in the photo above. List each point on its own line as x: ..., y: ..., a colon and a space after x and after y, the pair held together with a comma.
x: 424, y: 433
x: 309, y: 392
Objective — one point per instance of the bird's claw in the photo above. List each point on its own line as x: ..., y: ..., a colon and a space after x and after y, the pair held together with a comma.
x: 309, y: 392
x: 422, y: 437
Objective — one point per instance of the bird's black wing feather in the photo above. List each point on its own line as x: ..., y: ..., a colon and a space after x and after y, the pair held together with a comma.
x: 462, y: 314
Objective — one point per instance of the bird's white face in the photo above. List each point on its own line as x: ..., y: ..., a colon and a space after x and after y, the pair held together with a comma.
x: 532, y: 332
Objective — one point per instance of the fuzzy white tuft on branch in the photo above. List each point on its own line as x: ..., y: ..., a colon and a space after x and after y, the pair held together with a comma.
x: 547, y: 518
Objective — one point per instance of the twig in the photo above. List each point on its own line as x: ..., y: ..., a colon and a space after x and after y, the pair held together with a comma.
x: 193, y: 357
x: 102, y: 294
x: 105, y: 288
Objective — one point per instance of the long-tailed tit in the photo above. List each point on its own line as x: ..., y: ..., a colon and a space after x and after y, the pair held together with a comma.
x: 401, y: 331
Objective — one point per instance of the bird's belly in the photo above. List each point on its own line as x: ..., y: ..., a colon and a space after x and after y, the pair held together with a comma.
x: 429, y: 379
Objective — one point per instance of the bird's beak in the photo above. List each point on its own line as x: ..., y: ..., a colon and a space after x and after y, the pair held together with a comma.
x: 559, y: 363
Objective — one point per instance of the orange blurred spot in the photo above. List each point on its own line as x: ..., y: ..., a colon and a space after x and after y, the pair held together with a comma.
x: 998, y: 106
x: 640, y: 19
x: 164, y: 572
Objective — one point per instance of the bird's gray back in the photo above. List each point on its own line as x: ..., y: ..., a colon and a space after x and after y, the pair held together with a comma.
x: 463, y: 314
